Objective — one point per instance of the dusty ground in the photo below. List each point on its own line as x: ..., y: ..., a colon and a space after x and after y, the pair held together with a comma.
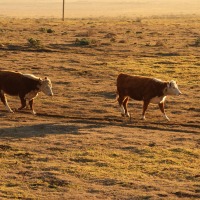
x: 78, y: 146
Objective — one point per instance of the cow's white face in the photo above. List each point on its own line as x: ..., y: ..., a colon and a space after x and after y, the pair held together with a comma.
x: 46, y: 86
x: 172, y: 88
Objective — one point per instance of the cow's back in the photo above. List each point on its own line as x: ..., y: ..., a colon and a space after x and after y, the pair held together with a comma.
x: 14, y: 83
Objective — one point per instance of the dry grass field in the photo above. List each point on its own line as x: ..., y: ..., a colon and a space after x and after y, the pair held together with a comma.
x: 78, y: 146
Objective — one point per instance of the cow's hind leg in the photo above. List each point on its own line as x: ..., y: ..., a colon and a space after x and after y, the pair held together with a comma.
x: 161, y: 106
x: 125, y: 103
x: 4, y: 100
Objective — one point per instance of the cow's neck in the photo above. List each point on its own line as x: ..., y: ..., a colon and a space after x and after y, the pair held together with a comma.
x: 38, y: 88
x: 165, y: 91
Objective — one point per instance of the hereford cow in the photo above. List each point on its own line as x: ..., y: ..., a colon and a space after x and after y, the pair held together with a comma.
x: 26, y: 86
x: 148, y: 90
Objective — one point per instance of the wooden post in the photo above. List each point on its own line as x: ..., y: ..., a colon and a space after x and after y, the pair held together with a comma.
x: 63, y: 13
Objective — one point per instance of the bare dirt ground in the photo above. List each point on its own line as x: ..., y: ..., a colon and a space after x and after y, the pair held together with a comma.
x: 78, y: 146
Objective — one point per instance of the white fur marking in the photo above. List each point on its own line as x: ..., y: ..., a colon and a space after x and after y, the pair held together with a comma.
x: 31, y: 76
x: 158, y: 80
x: 172, y: 88
x: 31, y: 95
x: 157, y: 100
x: 122, y: 110
x: 165, y: 116
x: 34, y: 113
x: 143, y: 117
x: 46, y: 87
x: 8, y: 108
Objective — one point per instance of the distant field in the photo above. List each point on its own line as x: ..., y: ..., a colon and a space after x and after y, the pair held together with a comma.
x: 78, y: 146
x: 97, y: 8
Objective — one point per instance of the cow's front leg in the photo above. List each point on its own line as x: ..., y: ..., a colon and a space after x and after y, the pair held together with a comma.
x: 125, y: 103
x: 23, y: 103
x: 120, y: 101
x: 161, y: 106
x: 4, y: 100
x: 27, y: 104
x: 145, y: 106
x: 31, y: 106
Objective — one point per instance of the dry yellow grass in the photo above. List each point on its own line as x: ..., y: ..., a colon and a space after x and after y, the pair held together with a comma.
x: 79, y: 146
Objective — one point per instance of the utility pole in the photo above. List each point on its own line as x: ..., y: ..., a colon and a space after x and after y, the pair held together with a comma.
x: 63, y: 12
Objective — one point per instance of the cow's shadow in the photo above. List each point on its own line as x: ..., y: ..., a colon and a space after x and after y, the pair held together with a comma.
x: 38, y: 130
x: 74, y: 125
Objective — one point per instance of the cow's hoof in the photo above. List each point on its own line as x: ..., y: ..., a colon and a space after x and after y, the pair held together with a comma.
x: 123, y: 115
x: 18, y: 109
x: 33, y: 112
x: 167, y: 118
x: 14, y: 110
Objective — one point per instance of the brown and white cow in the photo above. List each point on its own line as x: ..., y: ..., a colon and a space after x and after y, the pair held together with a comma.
x: 26, y: 86
x: 148, y: 90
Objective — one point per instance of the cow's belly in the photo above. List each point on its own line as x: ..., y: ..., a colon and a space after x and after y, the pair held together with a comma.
x: 157, y: 100
x: 9, y: 91
x: 136, y: 96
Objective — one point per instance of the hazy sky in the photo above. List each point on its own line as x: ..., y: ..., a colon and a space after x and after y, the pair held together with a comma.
x: 96, y: 8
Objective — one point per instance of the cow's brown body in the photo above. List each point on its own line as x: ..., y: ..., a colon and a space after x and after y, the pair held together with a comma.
x: 139, y: 88
x: 148, y: 90
x: 18, y: 84
x: 14, y: 83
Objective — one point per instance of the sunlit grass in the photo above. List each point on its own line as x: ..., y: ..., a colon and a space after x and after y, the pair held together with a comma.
x: 79, y: 146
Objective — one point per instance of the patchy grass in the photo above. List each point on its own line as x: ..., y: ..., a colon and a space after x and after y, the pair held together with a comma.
x: 78, y: 146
